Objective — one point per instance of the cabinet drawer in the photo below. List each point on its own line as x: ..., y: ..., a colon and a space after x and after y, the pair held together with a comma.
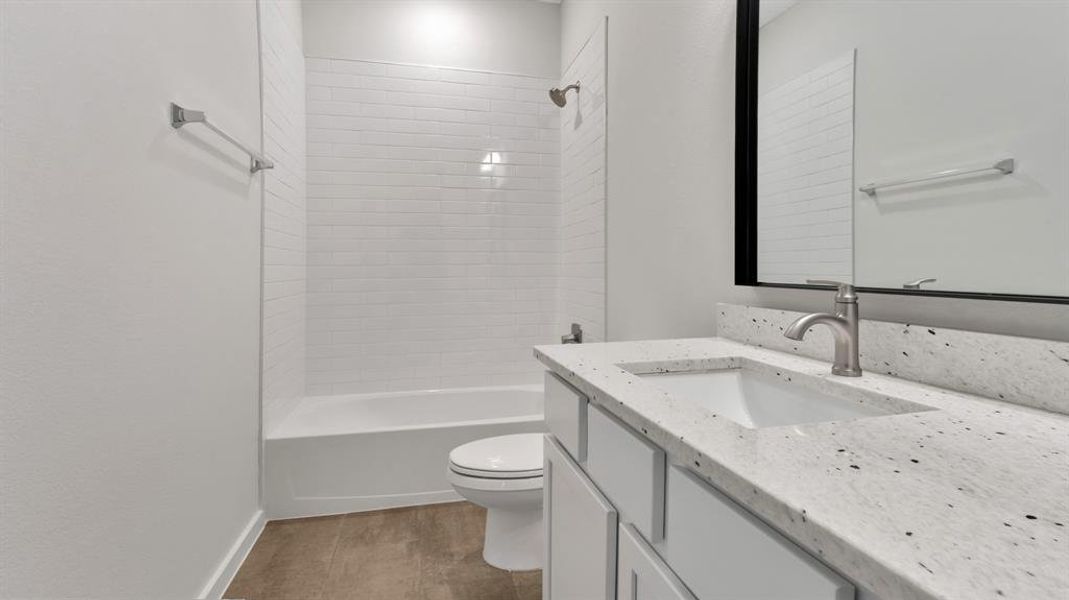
x: 720, y: 550
x: 580, y: 529
x: 565, y: 410
x: 629, y: 469
x: 641, y: 574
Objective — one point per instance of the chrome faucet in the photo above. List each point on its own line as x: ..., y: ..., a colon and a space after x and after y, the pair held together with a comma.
x: 843, y: 326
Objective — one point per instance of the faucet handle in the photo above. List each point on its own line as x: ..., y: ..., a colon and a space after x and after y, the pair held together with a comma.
x: 917, y: 283
x: 846, y: 290
x: 576, y: 337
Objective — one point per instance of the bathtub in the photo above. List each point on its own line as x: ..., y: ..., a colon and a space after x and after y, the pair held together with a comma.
x: 352, y: 453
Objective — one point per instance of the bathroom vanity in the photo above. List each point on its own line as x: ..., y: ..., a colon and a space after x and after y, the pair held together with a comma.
x: 710, y: 468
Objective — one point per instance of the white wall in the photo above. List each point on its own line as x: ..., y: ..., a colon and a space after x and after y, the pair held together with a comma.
x: 582, y: 274
x: 285, y: 209
x: 671, y: 198
x: 942, y: 85
x: 506, y: 36
x: 131, y: 299
x: 669, y: 158
x: 433, y: 226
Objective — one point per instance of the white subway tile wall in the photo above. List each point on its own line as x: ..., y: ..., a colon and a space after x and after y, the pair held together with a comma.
x: 582, y: 285
x: 805, y: 176
x: 433, y: 226
x: 284, y: 213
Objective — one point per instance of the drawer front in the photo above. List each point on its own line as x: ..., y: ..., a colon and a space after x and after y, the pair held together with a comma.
x: 641, y: 574
x: 629, y: 470
x: 565, y: 409
x: 580, y: 530
x: 720, y: 550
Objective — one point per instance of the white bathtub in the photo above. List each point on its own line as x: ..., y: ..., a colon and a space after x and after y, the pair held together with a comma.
x: 339, y: 454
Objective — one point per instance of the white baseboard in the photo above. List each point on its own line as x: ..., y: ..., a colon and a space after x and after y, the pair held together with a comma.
x: 299, y: 508
x: 224, y: 573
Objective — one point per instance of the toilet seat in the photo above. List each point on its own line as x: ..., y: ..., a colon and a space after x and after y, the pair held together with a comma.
x: 494, y: 484
x: 517, y: 456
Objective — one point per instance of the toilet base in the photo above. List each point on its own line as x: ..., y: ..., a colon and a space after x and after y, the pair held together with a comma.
x: 513, y: 539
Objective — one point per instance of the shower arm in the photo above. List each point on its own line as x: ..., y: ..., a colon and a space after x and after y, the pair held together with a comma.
x: 559, y: 96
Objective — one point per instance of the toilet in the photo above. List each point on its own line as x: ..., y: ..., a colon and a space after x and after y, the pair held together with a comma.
x: 504, y: 475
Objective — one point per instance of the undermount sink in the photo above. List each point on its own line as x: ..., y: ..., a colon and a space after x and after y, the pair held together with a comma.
x: 757, y: 400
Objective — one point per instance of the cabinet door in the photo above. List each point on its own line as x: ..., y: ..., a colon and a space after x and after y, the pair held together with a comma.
x: 642, y: 575
x: 580, y: 532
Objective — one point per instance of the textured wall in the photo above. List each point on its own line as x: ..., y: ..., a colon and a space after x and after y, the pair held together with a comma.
x: 130, y: 305
x: 434, y: 208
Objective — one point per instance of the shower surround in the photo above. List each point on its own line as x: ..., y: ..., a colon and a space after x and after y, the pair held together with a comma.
x: 434, y: 220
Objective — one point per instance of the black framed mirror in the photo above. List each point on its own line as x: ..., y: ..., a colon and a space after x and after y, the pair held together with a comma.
x: 909, y: 148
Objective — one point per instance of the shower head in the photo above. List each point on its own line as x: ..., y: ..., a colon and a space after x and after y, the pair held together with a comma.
x: 558, y: 96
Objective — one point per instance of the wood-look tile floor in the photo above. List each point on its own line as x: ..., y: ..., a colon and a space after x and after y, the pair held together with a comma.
x: 420, y: 553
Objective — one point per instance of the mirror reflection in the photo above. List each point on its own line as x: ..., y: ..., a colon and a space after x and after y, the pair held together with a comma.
x: 918, y: 145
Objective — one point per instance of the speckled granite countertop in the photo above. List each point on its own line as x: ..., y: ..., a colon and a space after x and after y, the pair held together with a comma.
x: 967, y: 501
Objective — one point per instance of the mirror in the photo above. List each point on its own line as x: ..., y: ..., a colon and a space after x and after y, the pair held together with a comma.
x: 914, y: 147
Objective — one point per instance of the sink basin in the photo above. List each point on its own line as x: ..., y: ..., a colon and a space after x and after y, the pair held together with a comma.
x: 757, y: 400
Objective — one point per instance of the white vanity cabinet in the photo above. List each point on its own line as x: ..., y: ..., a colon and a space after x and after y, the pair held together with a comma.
x: 580, y: 529
x: 621, y: 523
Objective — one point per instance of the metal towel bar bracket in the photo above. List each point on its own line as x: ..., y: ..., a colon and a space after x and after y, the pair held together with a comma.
x: 183, y: 116
x: 1004, y: 166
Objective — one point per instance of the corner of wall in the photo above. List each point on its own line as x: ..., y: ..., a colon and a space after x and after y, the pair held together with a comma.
x: 581, y: 293
x: 285, y: 209
x: 231, y: 562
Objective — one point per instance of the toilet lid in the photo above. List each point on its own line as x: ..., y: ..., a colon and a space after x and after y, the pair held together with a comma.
x: 502, y: 457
